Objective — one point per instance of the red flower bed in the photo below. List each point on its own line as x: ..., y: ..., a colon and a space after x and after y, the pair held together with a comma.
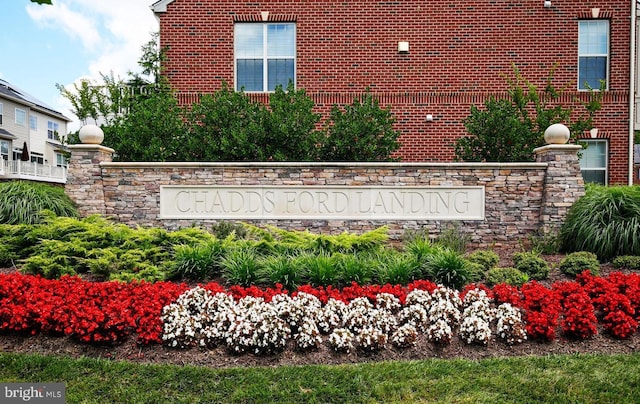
x: 110, y: 312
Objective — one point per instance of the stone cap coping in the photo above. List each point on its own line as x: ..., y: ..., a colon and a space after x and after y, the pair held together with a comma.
x: 270, y: 164
x: 91, y: 147
x: 557, y: 147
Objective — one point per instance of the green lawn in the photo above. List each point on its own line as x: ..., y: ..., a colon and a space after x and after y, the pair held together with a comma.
x: 553, y: 379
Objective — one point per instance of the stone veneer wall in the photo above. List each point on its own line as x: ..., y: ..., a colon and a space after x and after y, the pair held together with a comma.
x: 521, y: 199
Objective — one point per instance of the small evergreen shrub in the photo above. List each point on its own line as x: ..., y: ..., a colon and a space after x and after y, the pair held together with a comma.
x: 532, y: 264
x: 353, y: 268
x: 241, y: 266
x: 320, y: 270
x: 577, y: 262
x: 224, y: 229
x: 197, y: 262
x: 396, y: 269
x: 487, y: 258
x: 22, y: 202
x: 508, y: 275
x: 627, y: 261
x: 283, y: 269
x: 449, y: 268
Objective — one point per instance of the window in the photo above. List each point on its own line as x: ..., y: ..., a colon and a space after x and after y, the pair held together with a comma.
x: 61, y: 160
x: 37, y: 158
x: 52, y: 130
x: 264, y: 55
x: 593, y: 162
x: 17, y: 153
x: 4, y: 149
x: 21, y: 117
x: 0, y: 113
x: 593, y: 53
x: 33, y: 122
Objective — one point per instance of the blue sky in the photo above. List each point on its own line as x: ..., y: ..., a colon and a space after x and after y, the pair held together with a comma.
x: 44, y: 45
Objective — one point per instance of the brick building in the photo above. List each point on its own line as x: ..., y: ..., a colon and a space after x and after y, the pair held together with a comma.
x: 430, y: 61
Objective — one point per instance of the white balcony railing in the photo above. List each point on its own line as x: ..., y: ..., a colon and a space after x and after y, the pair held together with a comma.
x: 26, y: 170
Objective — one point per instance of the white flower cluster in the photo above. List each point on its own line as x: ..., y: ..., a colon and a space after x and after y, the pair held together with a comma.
x: 341, y: 340
x: 443, y: 314
x: 477, y: 318
x: 191, y: 320
x: 201, y: 318
x: 510, y: 326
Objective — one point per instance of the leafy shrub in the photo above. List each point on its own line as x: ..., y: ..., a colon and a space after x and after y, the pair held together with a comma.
x: 454, y: 238
x: 508, y: 129
x: 577, y: 262
x: 396, y: 269
x: 22, y: 202
x: 532, y: 264
x: 241, y: 266
x: 449, y: 268
x: 627, y: 261
x: 545, y: 243
x: 421, y: 248
x: 353, y: 268
x: 605, y: 221
x: 284, y: 270
x: 197, y: 262
x: 320, y: 270
x: 508, y: 275
x: 224, y: 229
x: 361, y: 132
x: 487, y: 258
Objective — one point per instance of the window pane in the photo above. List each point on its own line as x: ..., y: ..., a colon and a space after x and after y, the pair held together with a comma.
x: 280, y: 40
x: 591, y: 71
x: 593, y: 37
x: 594, y: 156
x: 4, y: 147
x: 33, y: 122
x: 250, y: 75
x: 21, y: 116
x: 280, y: 72
x: 596, y: 176
x: 248, y: 40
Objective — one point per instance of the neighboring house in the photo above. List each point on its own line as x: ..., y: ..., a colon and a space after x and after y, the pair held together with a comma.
x: 430, y: 61
x: 26, y: 121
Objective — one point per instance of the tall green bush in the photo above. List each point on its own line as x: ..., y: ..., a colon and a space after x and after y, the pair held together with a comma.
x: 362, y: 131
x: 509, y: 128
x: 605, y: 221
x: 22, y: 202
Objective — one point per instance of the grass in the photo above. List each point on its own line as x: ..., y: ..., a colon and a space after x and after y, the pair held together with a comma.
x: 558, y: 379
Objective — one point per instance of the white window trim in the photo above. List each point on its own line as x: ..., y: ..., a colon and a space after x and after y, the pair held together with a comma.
x: 606, y: 153
x: 607, y: 55
x: 52, y: 128
x: 265, y: 57
x: 23, y: 112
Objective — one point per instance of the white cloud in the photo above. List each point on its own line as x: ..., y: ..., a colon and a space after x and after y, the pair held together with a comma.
x: 111, y: 32
x: 73, y: 23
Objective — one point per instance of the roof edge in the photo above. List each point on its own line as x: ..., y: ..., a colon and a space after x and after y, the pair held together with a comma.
x: 160, y: 6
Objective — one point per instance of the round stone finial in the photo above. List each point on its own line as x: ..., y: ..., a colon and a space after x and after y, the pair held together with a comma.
x: 557, y: 134
x: 91, y: 134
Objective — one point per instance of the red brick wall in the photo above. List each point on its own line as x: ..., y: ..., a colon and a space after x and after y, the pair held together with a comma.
x: 459, y: 52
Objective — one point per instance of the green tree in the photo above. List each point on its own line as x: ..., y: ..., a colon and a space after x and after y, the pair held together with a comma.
x: 508, y: 129
x: 42, y: 1
x: 152, y: 130
x: 363, y: 131
x: 227, y: 126
x: 291, y: 127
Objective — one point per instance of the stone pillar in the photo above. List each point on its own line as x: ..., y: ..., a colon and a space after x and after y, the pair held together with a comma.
x: 563, y: 183
x: 84, y: 177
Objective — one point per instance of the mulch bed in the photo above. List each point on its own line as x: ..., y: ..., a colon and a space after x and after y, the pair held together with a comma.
x: 221, y: 358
